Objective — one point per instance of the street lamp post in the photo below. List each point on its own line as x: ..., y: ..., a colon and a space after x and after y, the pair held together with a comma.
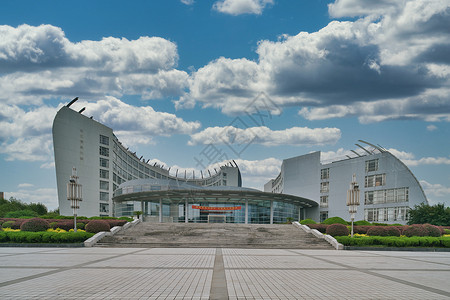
x: 353, y: 199
x: 74, y: 195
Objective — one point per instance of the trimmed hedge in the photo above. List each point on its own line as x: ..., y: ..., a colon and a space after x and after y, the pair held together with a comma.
x: 95, y: 226
x: 337, y: 230
x: 307, y: 222
x: 43, y: 237
x: 335, y: 220
x: 320, y: 227
x: 35, y: 225
x: 389, y: 241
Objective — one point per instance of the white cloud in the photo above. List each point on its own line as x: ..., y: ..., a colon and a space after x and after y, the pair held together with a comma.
x: 40, y: 62
x: 188, y: 2
x: 437, y: 190
x: 390, y: 64
x: 431, y: 128
x: 26, y: 135
x: 265, y: 136
x: 25, y: 185
x: 46, y: 196
x: 410, y: 160
x: 239, y: 7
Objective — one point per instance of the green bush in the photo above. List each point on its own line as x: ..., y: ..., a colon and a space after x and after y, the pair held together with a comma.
x: 446, y: 231
x: 81, y: 226
x: 362, y: 223
x: 95, y: 226
x: 21, y: 214
x: 53, y: 225
x: 337, y: 230
x: 335, y: 220
x: 307, y: 221
x: 389, y: 241
x: 44, y: 237
x: 35, y: 225
x: 377, y: 231
x: 128, y: 219
x: 415, y: 230
x: 432, y: 230
x: 8, y: 224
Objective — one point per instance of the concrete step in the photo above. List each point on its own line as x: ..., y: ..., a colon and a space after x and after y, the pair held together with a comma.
x: 194, y: 235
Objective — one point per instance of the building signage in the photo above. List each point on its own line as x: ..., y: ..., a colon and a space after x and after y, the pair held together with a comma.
x: 215, y: 208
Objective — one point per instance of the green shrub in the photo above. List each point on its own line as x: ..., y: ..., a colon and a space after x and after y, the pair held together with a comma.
x: 337, y: 230
x: 362, y: 223
x: 44, y: 237
x: 335, y: 220
x: 446, y: 231
x: 53, y: 225
x: 380, y: 224
x: 377, y: 231
x: 1, y: 227
x: 432, y: 230
x: 21, y: 214
x: 8, y: 224
x: 307, y: 221
x: 128, y: 219
x: 81, y: 226
x: 320, y: 227
x: 95, y: 226
x: 392, y: 231
x: 415, y: 230
x: 35, y: 225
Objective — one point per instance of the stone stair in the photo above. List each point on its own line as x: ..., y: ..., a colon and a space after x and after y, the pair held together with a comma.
x: 195, y: 235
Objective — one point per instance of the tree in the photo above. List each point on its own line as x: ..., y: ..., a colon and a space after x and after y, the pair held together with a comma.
x: 423, y: 213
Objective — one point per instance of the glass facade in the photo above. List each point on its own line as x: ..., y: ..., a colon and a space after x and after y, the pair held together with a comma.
x: 199, y: 210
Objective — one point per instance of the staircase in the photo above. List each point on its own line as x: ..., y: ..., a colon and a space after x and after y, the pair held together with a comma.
x: 195, y: 235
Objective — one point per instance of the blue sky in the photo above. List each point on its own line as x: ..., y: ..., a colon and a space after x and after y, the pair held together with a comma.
x: 172, y: 77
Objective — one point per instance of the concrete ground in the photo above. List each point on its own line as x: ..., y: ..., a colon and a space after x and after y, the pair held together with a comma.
x: 221, y: 273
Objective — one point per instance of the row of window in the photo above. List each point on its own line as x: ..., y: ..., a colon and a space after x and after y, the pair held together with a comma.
x: 386, y: 196
x: 323, y: 201
x: 324, y: 187
x: 386, y: 214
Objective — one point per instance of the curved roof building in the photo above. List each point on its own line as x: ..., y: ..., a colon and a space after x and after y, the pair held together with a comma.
x: 116, y: 182
x: 388, y: 188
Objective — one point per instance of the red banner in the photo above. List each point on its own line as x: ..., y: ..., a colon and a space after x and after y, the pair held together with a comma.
x: 215, y: 208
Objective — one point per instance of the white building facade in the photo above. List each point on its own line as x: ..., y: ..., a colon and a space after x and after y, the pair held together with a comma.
x: 388, y: 189
x: 103, y: 163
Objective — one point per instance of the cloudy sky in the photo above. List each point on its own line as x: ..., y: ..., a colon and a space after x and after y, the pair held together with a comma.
x: 188, y: 83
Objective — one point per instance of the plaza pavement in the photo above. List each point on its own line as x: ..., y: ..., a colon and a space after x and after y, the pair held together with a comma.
x: 221, y: 273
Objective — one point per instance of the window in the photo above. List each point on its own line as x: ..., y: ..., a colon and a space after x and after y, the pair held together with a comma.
x: 104, y: 208
x: 372, y: 165
x: 104, y: 140
x: 104, y: 196
x: 368, y: 197
x: 104, y: 174
x: 104, y: 151
x: 104, y: 185
x: 104, y: 162
x: 386, y: 214
x: 375, y: 180
x: 224, y: 182
x: 386, y: 196
x: 323, y: 216
x: 324, y: 173
x: 323, y: 201
x: 324, y: 187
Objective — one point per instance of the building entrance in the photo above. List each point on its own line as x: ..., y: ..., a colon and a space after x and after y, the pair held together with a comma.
x: 217, y: 218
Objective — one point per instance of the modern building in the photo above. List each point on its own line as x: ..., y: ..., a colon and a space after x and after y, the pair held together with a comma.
x: 116, y: 182
x: 388, y: 189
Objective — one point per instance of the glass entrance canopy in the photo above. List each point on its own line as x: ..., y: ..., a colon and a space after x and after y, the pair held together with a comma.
x: 171, y: 201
